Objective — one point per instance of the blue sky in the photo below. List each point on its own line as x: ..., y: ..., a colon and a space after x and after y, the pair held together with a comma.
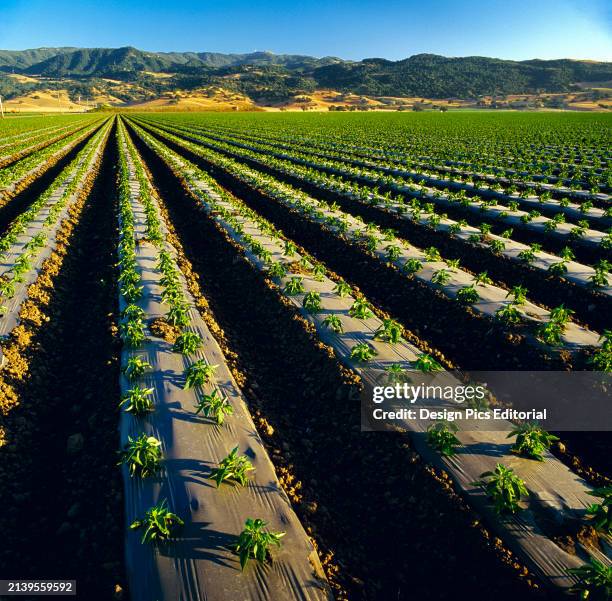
x: 352, y: 29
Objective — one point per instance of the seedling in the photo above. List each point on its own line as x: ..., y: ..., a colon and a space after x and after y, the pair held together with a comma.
x: 441, y: 277
x: 233, y: 467
x: 432, y: 254
x: 142, y: 456
x: 135, y: 368
x: 137, y: 401
x: 363, y: 352
x: 199, y: 373
x: 504, y: 488
x: 602, y: 512
x: 254, y: 542
x: 412, y: 266
x: 441, y: 436
x: 531, y: 441
x: 187, y: 343
x: 342, y: 289
x: 482, y: 278
x: 397, y: 374
x: 389, y: 331
x: 468, y: 295
x: 278, y: 270
x: 132, y: 333
x: 294, y: 286
x: 159, y: 524
x: 594, y: 581
x: 361, y: 309
x: 214, y: 407
x: 393, y: 252
x: 318, y: 272
x: 519, y: 293
x: 178, y: 315
x: 508, y: 314
x: 312, y: 302
x: 132, y: 312
x: 427, y: 364
x: 334, y: 323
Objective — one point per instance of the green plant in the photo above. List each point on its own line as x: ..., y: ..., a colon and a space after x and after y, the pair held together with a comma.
x: 159, y: 524
x: 468, y: 295
x: 397, y: 374
x: 426, y: 364
x: 362, y: 351
x: 334, y: 323
x: 519, y: 293
x: 441, y: 436
x: 187, y: 343
x: 142, y: 456
x: 531, y: 441
x: 254, y: 542
x: 132, y: 332
x: 441, y: 277
x: 482, y: 278
x: 412, y: 266
x: 361, y: 309
x: 135, y: 368
x: 214, y: 406
x: 278, y: 270
x: 233, y: 467
x: 508, y: 314
x: 199, y: 373
x: 594, y: 581
x: 602, y: 512
x: 432, y: 254
x: 503, y: 487
x: 294, y: 286
x: 342, y: 289
x: 312, y: 302
x: 137, y: 401
x: 389, y: 331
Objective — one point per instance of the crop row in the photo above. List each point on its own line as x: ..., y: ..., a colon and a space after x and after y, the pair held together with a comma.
x: 184, y: 413
x: 369, y: 345
x: 512, y: 309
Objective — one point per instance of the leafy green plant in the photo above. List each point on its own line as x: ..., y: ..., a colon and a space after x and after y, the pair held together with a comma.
x: 441, y: 436
x: 232, y: 467
x: 468, y: 295
x: 312, y: 302
x: 135, y: 368
x: 142, y: 455
x: 159, y: 524
x: 389, y: 331
x: 482, y: 278
x: 594, y: 581
x: 334, y: 323
x: 254, y: 542
x: 397, y: 374
x: 137, y: 400
x: 278, y: 270
x: 531, y: 441
x: 504, y: 488
x: 508, y: 314
x: 294, y: 286
x: 361, y: 309
x: 214, y: 407
x: 519, y: 294
x: 602, y: 512
x: 187, y: 343
x: 441, y: 277
x: 132, y: 332
x: 412, y: 266
x: 342, y: 289
x: 199, y: 373
x: 427, y: 364
x: 363, y: 352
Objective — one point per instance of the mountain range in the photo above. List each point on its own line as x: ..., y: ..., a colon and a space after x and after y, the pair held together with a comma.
x: 264, y: 74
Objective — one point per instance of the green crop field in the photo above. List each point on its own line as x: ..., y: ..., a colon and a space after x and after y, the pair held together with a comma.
x: 196, y: 307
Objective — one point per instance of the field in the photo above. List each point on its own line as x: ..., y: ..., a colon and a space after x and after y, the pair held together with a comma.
x: 193, y: 307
